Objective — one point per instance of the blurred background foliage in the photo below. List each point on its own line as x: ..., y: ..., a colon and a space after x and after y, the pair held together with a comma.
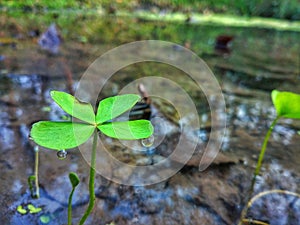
x: 282, y: 9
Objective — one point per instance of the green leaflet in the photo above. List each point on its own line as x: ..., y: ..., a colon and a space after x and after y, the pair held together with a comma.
x: 129, y: 130
x: 60, y: 135
x: 287, y: 104
x: 112, y: 107
x: 71, y: 105
x: 74, y: 179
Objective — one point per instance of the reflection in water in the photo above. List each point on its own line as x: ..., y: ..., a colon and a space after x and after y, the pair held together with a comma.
x: 260, y: 60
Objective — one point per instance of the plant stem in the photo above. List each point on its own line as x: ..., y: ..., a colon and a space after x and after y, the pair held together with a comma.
x: 36, y: 172
x: 70, y: 207
x: 91, y: 181
x: 257, y: 168
x: 263, y: 150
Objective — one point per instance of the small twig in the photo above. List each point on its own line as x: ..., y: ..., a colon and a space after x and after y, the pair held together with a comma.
x: 144, y: 94
x: 36, y: 172
x: 251, y: 221
x: 277, y: 191
x: 261, y: 194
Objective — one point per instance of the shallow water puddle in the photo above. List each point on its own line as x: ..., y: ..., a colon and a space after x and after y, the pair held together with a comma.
x: 246, y: 73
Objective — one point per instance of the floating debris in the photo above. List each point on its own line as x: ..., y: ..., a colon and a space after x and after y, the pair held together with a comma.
x: 7, y: 41
x: 223, y: 44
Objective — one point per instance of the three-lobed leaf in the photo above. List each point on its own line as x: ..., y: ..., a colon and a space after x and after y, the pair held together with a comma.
x: 71, y: 105
x: 287, y: 104
x: 60, y: 135
x: 112, y: 107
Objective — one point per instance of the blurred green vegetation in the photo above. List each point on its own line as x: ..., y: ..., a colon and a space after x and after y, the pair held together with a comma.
x: 282, y: 9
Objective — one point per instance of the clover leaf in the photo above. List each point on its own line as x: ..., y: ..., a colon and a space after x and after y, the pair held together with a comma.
x: 61, y: 135
x: 287, y: 104
x: 112, y: 107
x: 80, y: 110
x: 68, y: 134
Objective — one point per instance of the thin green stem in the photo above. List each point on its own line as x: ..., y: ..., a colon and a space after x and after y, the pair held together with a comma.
x: 36, y: 173
x: 263, y: 149
x: 91, y: 181
x: 258, y: 168
x: 70, y: 207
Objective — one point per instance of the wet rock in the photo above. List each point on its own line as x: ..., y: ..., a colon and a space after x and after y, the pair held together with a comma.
x: 50, y: 40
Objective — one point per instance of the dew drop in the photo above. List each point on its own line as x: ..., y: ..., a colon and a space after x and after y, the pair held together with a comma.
x: 62, y: 154
x: 148, y: 142
x: 36, y: 148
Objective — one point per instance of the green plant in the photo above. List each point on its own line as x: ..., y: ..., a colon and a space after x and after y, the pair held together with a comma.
x: 74, y: 181
x: 287, y: 105
x: 31, y: 209
x: 69, y: 134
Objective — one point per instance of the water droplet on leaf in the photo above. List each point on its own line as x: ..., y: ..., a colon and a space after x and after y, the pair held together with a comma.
x: 148, y: 142
x: 62, y: 154
x: 36, y: 148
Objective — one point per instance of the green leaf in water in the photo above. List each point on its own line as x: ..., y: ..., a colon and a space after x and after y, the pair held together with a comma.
x: 21, y: 210
x: 287, y: 104
x: 110, y: 108
x: 60, y: 135
x: 128, y: 130
x: 45, y: 219
x: 71, y: 105
x: 74, y: 179
x: 33, y: 209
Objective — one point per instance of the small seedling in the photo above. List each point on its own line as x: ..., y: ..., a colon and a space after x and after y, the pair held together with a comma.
x: 74, y: 181
x: 33, y: 180
x: 69, y: 134
x: 287, y: 105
